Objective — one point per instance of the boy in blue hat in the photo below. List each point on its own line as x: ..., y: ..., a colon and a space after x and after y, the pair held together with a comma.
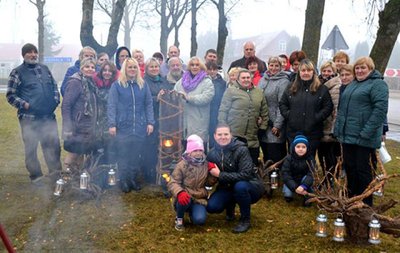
x: 297, y: 170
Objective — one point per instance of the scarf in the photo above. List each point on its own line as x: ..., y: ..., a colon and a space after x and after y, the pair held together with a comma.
x: 190, y: 83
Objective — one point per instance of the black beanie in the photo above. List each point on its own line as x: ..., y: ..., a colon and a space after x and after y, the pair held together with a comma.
x: 28, y: 47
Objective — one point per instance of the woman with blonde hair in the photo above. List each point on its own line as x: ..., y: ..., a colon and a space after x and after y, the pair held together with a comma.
x: 130, y: 119
x: 329, y: 148
x: 197, y: 91
x: 305, y: 105
x: 273, y: 84
x: 361, y: 113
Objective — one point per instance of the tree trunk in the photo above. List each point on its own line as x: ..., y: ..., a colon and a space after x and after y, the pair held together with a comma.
x: 193, y: 44
x: 40, y: 19
x: 312, y: 28
x: 87, y: 38
x: 176, y: 40
x: 164, y: 28
x: 389, y: 27
x: 222, y: 31
x: 127, y: 30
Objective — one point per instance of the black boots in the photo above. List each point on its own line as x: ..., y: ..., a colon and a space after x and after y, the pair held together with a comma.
x: 242, y: 226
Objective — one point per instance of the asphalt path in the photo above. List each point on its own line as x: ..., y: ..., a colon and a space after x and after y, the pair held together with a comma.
x: 393, y: 113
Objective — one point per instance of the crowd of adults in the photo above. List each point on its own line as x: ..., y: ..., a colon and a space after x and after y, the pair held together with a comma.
x: 228, y: 118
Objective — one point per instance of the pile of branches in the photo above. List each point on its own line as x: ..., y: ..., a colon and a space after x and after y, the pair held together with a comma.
x: 331, y: 195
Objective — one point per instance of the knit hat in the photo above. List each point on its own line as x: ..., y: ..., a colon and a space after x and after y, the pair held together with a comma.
x: 28, y: 47
x: 299, y: 139
x: 194, y: 142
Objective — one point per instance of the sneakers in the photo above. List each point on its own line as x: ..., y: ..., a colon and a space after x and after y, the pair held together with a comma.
x: 242, y: 226
x: 38, y: 182
x: 179, y: 224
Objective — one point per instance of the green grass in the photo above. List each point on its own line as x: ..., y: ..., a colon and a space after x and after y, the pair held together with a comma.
x: 143, y: 222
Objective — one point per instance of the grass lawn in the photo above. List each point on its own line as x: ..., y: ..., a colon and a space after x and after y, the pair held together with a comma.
x: 143, y: 222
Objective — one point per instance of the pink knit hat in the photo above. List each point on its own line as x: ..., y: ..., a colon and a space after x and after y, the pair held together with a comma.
x: 194, y: 142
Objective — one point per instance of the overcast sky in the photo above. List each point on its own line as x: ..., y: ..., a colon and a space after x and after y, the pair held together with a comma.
x: 250, y: 18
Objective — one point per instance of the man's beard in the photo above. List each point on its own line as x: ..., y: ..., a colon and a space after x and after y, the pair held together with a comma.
x: 176, y: 74
x: 32, y: 61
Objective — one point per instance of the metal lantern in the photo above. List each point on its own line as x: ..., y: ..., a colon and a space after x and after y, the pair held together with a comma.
x: 379, y: 192
x: 374, y: 227
x: 83, y: 184
x: 274, y: 180
x: 339, y: 230
x: 168, y: 145
x: 111, y: 177
x: 321, y: 225
x: 59, y: 187
x: 66, y: 175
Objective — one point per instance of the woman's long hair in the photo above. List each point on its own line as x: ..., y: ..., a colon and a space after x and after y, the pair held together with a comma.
x: 307, y: 64
x: 123, y: 79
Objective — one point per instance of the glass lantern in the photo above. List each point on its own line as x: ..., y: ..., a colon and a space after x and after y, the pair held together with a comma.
x: 83, y: 184
x: 321, y: 225
x: 59, y: 187
x: 168, y: 145
x: 339, y: 230
x: 111, y: 177
x: 374, y: 227
x: 67, y: 175
x: 274, y: 180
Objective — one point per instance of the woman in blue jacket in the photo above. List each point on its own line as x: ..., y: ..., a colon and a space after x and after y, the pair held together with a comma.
x: 361, y: 113
x: 130, y: 119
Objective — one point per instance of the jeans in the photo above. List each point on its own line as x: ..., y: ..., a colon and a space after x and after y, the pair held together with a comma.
x: 45, y: 131
x: 287, y: 193
x: 243, y: 193
x: 129, y: 157
x: 197, y: 212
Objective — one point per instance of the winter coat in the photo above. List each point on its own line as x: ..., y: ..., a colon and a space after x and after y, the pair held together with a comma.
x: 196, y: 108
x: 70, y: 71
x: 333, y: 86
x: 294, y: 168
x: 362, y: 111
x: 80, y: 110
x: 305, y: 111
x: 219, y: 88
x: 240, y: 109
x: 156, y: 84
x: 256, y: 78
x: 273, y: 88
x: 191, y: 179
x: 130, y: 109
x: 235, y: 164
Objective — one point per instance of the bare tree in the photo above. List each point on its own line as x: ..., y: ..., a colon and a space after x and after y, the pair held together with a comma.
x: 130, y: 19
x: 40, y: 7
x: 195, y: 6
x: 179, y: 21
x: 389, y: 28
x: 312, y: 28
x: 222, y: 28
x: 87, y: 38
x: 172, y: 13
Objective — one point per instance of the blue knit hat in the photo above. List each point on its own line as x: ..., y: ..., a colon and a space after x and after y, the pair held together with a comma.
x: 299, y: 139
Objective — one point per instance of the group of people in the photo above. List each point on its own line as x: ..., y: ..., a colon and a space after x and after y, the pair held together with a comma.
x: 284, y: 108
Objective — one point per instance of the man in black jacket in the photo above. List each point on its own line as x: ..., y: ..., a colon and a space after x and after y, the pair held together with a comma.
x: 34, y: 92
x: 249, y: 50
x: 238, y: 180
